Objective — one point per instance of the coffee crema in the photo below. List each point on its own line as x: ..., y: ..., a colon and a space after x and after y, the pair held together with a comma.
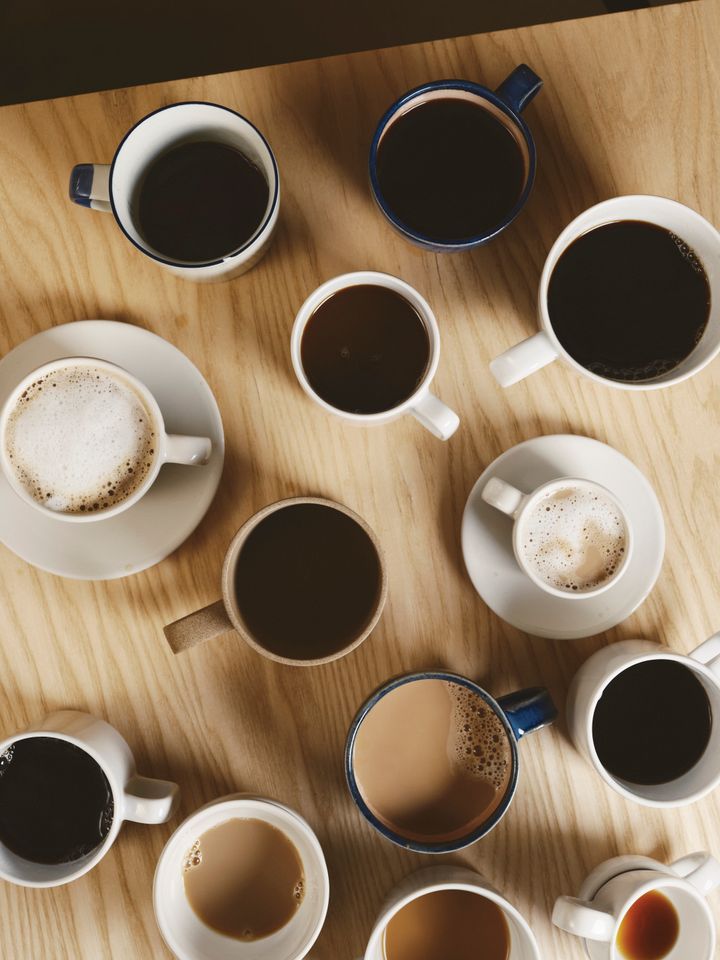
x: 574, y: 539
x: 650, y: 928
x: 244, y: 878
x: 80, y: 440
x: 432, y: 760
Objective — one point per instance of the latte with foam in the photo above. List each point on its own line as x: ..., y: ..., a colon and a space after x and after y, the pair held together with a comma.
x: 574, y: 539
x: 80, y: 439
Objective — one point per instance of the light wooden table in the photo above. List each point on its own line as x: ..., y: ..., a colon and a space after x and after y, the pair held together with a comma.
x: 631, y: 104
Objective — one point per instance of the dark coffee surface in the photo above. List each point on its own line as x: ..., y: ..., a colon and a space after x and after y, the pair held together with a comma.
x: 450, y: 170
x: 629, y: 300
x: 56, y: 804
x: 652, y: 723
x: 307, y: 581
x: 649, y: 929
x: 365, y: 349
x: 201, y: 201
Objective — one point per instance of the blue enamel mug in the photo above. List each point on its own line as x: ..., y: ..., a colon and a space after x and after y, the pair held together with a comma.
x: 412, y: 743
x: 505, y: 104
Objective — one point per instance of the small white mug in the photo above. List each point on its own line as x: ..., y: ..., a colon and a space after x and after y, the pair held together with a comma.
x: 523, y: 945
x: 518, y: 505
x: 588, y: 686
x: 686, y: 883
x: 112, y: 187
x: 432, y: 413
x: 189, y: 938
x: 140, y: 799
x: 170, y: 448
x: 543, y: 347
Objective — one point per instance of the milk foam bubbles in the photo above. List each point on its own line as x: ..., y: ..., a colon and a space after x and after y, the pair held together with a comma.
x: 80, y: 439
x: 574, y: 539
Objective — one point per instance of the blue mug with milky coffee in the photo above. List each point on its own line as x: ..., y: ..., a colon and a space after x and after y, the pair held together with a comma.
x: 452, y: 163
x: 431, y: 758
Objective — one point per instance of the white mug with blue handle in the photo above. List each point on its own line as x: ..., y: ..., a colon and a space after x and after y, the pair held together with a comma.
x: 113, y: 187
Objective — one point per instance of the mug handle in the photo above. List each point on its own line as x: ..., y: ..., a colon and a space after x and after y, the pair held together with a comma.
x: 524, y: 358
x: 708, y: 653
x: 518, y: 89
x: 700, y: 869
x: 435, y: 416
x: 503, y: 496
x: 197, y: 627
x: 90, y: 186
x: 150, y: 801
x: 528, y: 710
x: 582, y: 919
x: 194, y: 451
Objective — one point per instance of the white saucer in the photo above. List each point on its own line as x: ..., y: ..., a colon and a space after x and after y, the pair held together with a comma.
x: 487, y: 539
x: 169, y: 512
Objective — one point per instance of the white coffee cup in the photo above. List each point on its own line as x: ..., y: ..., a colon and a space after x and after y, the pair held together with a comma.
x: 113, y: 187
x: 589, y: 684
x: 432, y: 413
x: 170, y: 448
x: 140, y: 799
x: 518, y: 505
x: 686, y: 883
x: 183, y: 931
x: 543, y: 347
x: 523, y: 945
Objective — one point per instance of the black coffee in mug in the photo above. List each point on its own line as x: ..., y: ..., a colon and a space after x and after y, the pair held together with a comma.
x: 652, y: 723
x: 451, y: 168
x: 365, y: 349
x: 56, y: 804
x: 629, y: 300
x: 201, y: 201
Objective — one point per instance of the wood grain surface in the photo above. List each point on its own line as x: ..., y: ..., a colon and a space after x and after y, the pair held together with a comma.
x: 631, y: 104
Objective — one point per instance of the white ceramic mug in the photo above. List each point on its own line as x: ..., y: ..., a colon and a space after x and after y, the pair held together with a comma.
x: 432, y: 413
x: 113, y: 187
x: 523, y: 945
x: 543, y: 347
x: 518, y: 505
x: 686, y: 883
x: 170, y: 448
x: 140, y: 799
x: 589, y: 684
x: 189, y: 938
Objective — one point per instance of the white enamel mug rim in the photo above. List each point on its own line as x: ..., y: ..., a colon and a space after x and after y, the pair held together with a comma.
x: 147, y: 399
x: 256, y: 239
x: 373, y: 278
x: 662, y: 653
x: 219, y: 811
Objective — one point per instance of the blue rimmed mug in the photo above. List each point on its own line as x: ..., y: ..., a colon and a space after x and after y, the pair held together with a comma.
x: 506, y: 104
x: 520, y: 713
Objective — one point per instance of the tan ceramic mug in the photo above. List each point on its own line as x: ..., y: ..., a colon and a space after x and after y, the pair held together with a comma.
x: 361, y: 553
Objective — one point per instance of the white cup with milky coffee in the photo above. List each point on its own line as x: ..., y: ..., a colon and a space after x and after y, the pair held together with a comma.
x: 571, y: 537
x: 81, y: 439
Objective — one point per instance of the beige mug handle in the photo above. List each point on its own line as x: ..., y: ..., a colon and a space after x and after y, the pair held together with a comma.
x: 198, y: 627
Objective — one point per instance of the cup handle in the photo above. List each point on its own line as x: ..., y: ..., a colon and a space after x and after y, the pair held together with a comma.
x: 193, y: 451
x: 150, y: 801
x: 700, y: 869
x: 90, y: 186
x: 523, y: 359
x: 528, y: 710
x: 435, y: 416
x: 198, y: 627
x: 518, y: 89
x: 582, y: 919
x: 503, y: 496
x: 708, y: 653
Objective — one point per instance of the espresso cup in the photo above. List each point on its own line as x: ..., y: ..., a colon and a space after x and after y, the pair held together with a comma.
x: 506, y: 105
x: 523, y: 945
x: 521, y: 506
x: 514, y: 715
x: 686, y: 883
x: 184, y: 932
x: 543, y: 347
x: 592, y: 680
x: 167, y: 448
x: 135, y: 798
x: 114, y: 187
x: 228, y: 614
x: 431, y: 412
